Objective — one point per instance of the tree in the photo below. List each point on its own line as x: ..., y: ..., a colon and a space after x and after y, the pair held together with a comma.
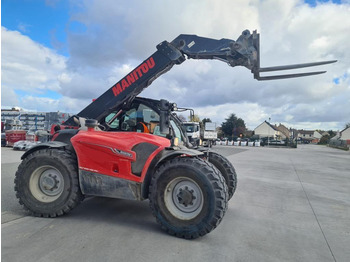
x: 233, y: 126
x: 182, y: 118
x: 205, y: 120
x: 331, y: 133
x: 324, y: 140
x: 195, y: 118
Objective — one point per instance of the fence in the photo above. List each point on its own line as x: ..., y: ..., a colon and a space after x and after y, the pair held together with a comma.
x: 339, y: 143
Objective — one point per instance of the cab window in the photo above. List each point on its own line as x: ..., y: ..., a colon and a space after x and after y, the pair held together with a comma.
x: 139, y: 118
x: 176, y: 130
x: 115, y: 123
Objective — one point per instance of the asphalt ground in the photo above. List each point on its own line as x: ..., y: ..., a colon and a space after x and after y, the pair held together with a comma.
x: 290, y: 205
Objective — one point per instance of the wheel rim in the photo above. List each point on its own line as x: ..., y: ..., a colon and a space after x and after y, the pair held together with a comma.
x: 46, y: 184
x: 183, y: 198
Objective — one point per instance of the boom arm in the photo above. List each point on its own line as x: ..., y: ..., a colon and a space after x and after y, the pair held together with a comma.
x: 242, y: 52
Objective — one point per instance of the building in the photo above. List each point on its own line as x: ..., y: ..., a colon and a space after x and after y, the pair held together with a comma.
x: 33, y: 120
x: 345, y: 134
x: 310, y: 136
x: 317, y: 136
x: 284, y: 130
x: 325, y: 133
x: 265, y: 129
x: 306, y: 135
x: 342, y: 139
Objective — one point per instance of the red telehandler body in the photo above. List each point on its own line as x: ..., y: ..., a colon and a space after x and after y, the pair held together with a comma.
x: 122, y: 146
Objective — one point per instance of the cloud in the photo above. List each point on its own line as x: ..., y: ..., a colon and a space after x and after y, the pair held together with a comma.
x: 47, y: 104
x: 27, y: 65
x: 107, y: 40
x: 291, y: 32
x: 9, y: 98
x: 251, y: 111
x: 117, y: 33
x: 24, y: 28
x: 51, y: 3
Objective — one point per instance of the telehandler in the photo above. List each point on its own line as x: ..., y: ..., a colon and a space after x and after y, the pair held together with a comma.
x: 122, y: 146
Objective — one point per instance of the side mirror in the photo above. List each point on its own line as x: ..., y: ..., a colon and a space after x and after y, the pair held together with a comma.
x: 164, y: 121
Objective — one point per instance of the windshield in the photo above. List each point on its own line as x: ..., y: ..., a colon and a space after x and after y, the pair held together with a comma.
x: 191, y: 128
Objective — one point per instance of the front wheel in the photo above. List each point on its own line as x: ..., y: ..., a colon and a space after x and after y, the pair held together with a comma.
x: 46, y: 183
x: 188, y: 197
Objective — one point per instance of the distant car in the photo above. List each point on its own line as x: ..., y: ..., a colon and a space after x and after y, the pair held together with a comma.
x: 276, y: 142
x: 23, y: 145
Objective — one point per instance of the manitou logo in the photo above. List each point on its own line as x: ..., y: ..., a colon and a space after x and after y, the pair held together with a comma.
x: 133, y: 76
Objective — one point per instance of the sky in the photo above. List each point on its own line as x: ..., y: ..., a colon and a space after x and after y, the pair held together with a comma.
x: 58, y: 55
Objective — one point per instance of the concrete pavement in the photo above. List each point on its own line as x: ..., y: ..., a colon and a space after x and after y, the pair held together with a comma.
x: 290, y: 205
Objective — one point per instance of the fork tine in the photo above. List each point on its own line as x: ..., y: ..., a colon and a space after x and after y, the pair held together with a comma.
x: 261, y: 78
x: 295, y: 66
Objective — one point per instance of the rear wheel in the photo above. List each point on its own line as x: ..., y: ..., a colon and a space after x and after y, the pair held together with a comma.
x: 188, y: 197
x: 46, y: 183
x: 227, y: 170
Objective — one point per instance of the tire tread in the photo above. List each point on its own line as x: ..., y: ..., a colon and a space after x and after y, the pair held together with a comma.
x: 70, y: 161
x: 229, y: 173
x: 220, y: 192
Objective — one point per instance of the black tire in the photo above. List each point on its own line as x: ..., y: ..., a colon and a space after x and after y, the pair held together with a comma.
x: 188, y: 197
x: 46, y: 183
x: 227, y: 170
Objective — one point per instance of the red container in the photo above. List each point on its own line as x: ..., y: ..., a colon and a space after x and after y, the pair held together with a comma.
x: 12, y: 136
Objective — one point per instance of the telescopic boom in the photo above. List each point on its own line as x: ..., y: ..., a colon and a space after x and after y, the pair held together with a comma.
x: 245, y: 51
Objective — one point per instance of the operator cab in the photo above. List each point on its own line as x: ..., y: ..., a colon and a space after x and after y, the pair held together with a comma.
x: 139, y: 118
x: 142, y: 116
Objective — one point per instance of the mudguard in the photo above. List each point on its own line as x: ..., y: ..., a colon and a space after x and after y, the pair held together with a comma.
x: 164, y: 155
x: 170, y: 153
x: 51, y: 144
